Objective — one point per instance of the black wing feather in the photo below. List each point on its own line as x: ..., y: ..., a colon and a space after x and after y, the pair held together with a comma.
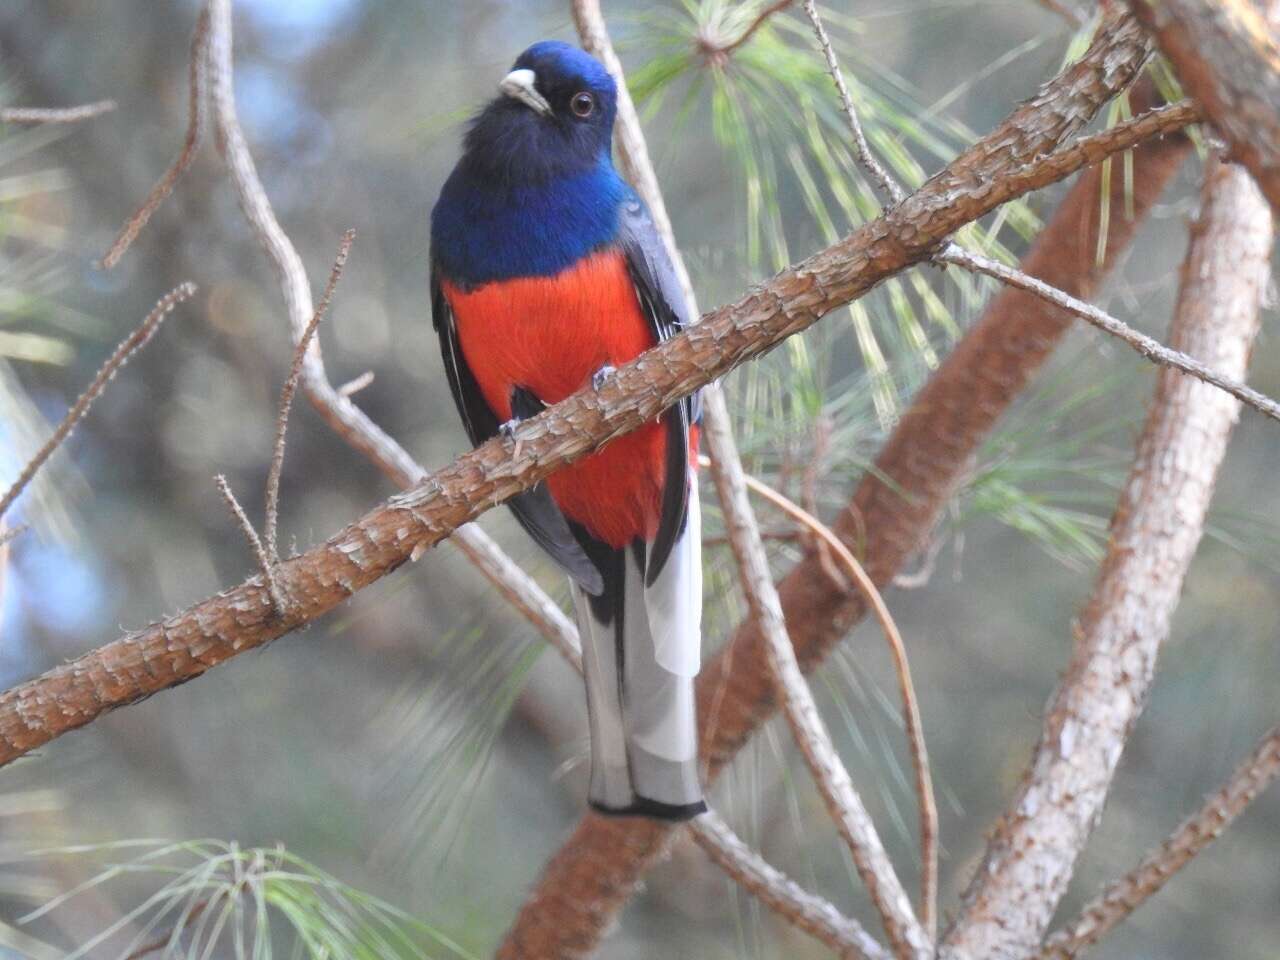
x: 662, y: 301
x: 534, y: 508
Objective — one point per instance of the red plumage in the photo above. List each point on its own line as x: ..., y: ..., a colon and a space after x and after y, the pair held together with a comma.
x: 549, y: 335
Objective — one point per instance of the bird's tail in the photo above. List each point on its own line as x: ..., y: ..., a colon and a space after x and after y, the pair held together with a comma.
x: 641, y: 651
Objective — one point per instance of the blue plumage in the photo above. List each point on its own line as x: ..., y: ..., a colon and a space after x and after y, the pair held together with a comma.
x: 533, y: 194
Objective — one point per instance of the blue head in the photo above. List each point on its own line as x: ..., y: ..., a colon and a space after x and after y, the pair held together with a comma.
x: 553, y: 116
x: 535, y: 189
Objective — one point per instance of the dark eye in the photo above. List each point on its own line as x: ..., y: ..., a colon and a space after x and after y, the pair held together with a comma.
x: 582, y: 104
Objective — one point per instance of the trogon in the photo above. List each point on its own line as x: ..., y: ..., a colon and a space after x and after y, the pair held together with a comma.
x: 546, y: 274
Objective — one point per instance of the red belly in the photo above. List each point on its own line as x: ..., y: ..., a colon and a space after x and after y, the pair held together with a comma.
x: 549, y: 335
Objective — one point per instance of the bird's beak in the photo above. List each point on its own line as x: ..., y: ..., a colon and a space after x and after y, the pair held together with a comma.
x: 519, y: 84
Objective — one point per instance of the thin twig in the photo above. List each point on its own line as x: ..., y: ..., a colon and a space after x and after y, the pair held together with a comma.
x: 888, y: 184
x: 160, y: 943
x: 719, y: 53
x: 85, y: 111
x: 926, y: 803
x: 355, y: 385
x: 1074, y: 16
x: 290, y: 388
x: 1148, y: 347
x: 130, y: 345
x: 1121, y: 898
x: 195, y: 124
x: 780, y: 893
x: 265, y: 566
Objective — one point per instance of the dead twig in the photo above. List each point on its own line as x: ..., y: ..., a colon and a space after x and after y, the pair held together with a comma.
x: 197, y: 81
x: 799, y: 907
x: 86, y: 111
x: 1148, y: 347
x: 265, y: 566
x: 289, y: 389
x: 1122, y: 897
x: 718, y: 52
x: 130, y: 345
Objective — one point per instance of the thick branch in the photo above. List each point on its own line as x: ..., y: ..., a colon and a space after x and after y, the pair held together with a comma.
x: 891, y: 515
x: 1155, y: 532
x: 1226, y: 56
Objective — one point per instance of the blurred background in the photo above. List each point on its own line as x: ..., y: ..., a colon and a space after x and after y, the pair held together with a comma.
x: 421, y: 745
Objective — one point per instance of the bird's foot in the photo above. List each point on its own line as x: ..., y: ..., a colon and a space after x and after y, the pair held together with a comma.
x: 508, y: 429
x: 601, y: 376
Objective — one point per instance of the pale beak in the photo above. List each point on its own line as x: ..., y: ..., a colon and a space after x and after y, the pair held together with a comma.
x: 519, y: 84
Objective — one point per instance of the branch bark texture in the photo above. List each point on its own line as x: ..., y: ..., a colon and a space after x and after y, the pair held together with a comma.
x: 1155, y: 531
x: 1226, y: 55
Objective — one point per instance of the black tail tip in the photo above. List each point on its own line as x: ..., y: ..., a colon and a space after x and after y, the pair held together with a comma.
x: 653, y: 810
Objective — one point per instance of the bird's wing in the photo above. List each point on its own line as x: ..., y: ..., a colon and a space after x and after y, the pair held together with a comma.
x: 534, y: 508
x: 662, y: 301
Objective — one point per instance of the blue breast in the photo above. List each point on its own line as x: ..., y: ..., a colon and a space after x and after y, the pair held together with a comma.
x: 484, y: 230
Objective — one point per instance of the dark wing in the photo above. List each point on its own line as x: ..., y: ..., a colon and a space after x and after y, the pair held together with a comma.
x: 662, y: 301
x: 534, y: 509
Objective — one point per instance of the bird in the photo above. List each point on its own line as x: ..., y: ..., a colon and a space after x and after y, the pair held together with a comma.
x: 547, y: 274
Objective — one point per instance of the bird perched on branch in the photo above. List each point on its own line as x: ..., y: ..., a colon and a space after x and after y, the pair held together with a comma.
x: 547, y: 273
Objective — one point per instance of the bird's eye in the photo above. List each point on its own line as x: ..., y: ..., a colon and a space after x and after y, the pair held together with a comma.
x: 582, y: 104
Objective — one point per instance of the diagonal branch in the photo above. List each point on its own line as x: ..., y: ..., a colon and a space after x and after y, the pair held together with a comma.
x: 1155, y: 532
x: 85, y: 111
x: 197, y: 83
x: 1101, y: 915
x: 1227, y: 56
x: 1148, y: 347
x: 780, y: 893
x: 119, y: 357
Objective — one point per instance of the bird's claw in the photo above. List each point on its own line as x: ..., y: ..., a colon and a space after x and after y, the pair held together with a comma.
x: 508, y: 429
x: 601, y: 376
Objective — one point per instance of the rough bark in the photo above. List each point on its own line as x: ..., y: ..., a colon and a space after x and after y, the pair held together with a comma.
x: 1227, y: 57
x: 597, y: 868
x: 1155, y: 531
x: 998, y: 168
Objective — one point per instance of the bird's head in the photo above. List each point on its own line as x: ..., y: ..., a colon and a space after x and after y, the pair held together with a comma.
x: 553, y: 115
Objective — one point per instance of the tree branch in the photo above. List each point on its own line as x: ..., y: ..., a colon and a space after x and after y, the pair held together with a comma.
x: 1146, y: 346
x: 119, y: 357
x: 86, y: 111
x: 891, y: 515
x: 1121, y: 898
x: 1226, y: 56
x: 1155, y: 532
x: 196, y: 83
x: 781, y: 894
